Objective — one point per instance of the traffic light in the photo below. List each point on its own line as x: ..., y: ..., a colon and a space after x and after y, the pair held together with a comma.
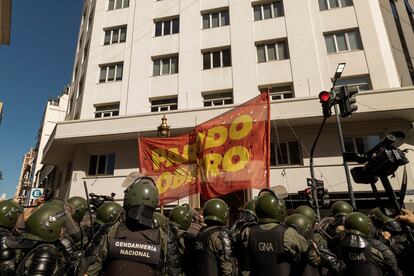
x: 306, y: 195
x: 326, y: 100
x: 345, y: 98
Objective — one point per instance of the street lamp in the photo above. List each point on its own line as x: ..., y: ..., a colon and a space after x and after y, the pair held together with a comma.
x: 164, y: 129
x: 338, y: 72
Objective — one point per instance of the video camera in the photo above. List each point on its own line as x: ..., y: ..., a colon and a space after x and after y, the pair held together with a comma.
x: 381, y: 161
x: 96, y: 201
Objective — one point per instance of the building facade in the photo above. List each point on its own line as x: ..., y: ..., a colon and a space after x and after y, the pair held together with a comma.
x: 24, y: 184
x: 193, y: 60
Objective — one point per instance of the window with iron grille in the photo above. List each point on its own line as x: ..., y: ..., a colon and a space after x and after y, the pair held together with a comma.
x: 332, y: 4
x: 217, y: 98
x: 361, y: 82
x: 117, y: 4
x: 272, y: 51
x: 285, y: 153
x: 115, y: 35
x: 215, y: 19
x: 166, y: 104
x: 216, y: 58
x: 102, y: 164
x: 343, y: 41
x: 167, y: 27
x: 165, y: 66
x: 268, y: 10
x: 110, y: 110
x: 278, y: 92
x: 112, y: 72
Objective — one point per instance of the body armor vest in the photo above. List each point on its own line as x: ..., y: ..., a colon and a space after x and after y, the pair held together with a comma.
x: 205, y: 260
x: 7, y: 255
x: 359, y: 262
x: 134, y: 251
x: 266, y: 252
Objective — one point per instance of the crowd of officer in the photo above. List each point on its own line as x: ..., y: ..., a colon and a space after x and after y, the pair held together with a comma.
x: 62, y: 238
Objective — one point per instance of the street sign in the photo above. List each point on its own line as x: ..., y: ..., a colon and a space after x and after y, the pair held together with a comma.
x: 35, y: 193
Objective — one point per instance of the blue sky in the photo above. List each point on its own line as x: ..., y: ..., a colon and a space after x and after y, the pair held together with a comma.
x: 35, y: 67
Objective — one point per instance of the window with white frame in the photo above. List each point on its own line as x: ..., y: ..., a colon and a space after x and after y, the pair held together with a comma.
x: 362, y: 82
x: 216, y: 58
x: 165, y: 66
x: 215, y: 19
x: 108, y: 110
x: 115, y: 35
x: 117, y: 4
x: 111, y: 72
x: 217, y: 98
x: 167, y: 27
x: 166, y: 104
x: 343, y: 41
x: 332, y: 4
x: 279, y: 92
x: 268, y: 10
x: 101, y: 164
x: 361, y: 144
x: 285, y: 153
x: 272, y: 51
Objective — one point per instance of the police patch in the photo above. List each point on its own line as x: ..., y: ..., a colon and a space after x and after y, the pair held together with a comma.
x: 134, y: 251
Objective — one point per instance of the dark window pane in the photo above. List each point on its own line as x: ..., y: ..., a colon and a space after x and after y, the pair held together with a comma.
x: 175, y: 26
x: 173, y: 107
x: 101, y: 164
x: 107, y: 39
x: 346, y: 3
x: 111, y: 4
x: 208, y: 103
x: 115, y: 113
x: 257, y: 10
x: 154, y: 109
x: 333, y: 3
x: 225, y: 18
x: 261, y: 55
x: 360, y: 145
x: 92, y: 164
x: 353, y: 39
x: 165, y: 66
x: 272, y: 154
x: 126, y: 3
x: 206, y: 61
x: 111, y: 164
x: 228, y: 101
x: 282, y: 158
x: 102, y: 76
x: 119, y: 70
x: 167, y: 27
x: 294, y: 153
x: 282, y: 51
x: 216, y: 59
x: 206, y: 21
x: 277, y: 9
x: 267, y: 11
x: 226, y: 58
x: 118, y: 4
x: 115, y: 35
x: 156, y: 69
x: 123, y: 35
x: 158, y: 28
x: 340, y: 41
x: 111, y: 73
x: 349, y: 144
x: 214, y: 20
x: 174, y: 65
x: 330, y: 44
x: 323, y: 5
x: 271, y: 52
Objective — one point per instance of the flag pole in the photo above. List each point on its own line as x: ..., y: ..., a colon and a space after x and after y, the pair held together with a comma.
x: 268, y: 136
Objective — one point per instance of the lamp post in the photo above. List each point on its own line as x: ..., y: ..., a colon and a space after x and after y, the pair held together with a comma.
x: 164, y: 131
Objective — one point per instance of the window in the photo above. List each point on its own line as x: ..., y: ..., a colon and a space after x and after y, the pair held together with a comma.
x: 102, y: 111
x: 80, y: 87
x: 343, y: 41
x: 218, y: 98
x: 101, y: 164
x: 218, y: 58
x: 112, y: 72
x: 115, y: 35
x: 167, y: 27
x: 216, y: 19
x: 361, y: 144
x: 268, y: 10
x: 279, y: 92
x: 164, y: 104
x: 286, y: 153
x: 361, y: 82
x: 331, y: 4
x: 165, y: 66
x: 117, y: 4
x: 90, y: 20
x: 85, y: 52
x: 272, y: 51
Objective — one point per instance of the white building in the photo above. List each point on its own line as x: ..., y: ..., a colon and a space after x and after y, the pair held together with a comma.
x: 192, y: 60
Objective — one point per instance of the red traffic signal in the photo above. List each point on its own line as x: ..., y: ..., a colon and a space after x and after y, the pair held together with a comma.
x: 324, y: 97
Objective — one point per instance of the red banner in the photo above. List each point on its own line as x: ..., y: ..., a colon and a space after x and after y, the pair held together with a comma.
x: 225, y: 154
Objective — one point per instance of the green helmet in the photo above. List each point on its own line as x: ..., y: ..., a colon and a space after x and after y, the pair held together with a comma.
x: 307, y: 212
x: 181, y: 217
x: 109, y: 213
x: 216, y: 210
x: 358, y: 224
x: 9, y: 212
x: 142, y: 192
x: 301, y: 223
x: 80, y: 206
x: 270, y: 209
x: 56, y: 202
x: 45, y: 223
x: 341, y: 208
x: 250, y: 207
x: 160, y: 220
x: 378, y: 217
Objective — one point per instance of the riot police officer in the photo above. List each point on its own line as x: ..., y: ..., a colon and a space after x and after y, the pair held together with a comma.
x: 272, y: 248
x: 246, y: 218
x: 134, y: 245
x: 213, y: 253
x: 9, y: 212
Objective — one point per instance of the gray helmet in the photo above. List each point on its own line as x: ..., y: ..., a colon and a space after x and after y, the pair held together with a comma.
x: 142, y: 192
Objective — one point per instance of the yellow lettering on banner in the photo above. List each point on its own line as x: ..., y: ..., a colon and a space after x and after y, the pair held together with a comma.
x: 246, y: 123
x: 182, y: 176
x: 190, y: 152
x: 235, y: 159
x: 158, y: 156
x: 212, y: 161
x: 174, y: 157
x: 164, y: 182
x: 216, y: 136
